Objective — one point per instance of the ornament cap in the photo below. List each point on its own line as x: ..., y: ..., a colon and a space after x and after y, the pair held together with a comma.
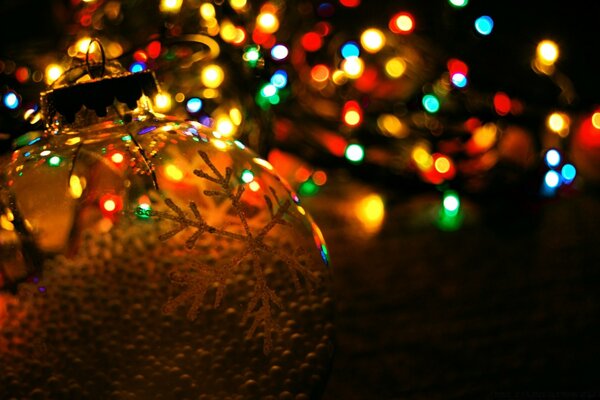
x: 96, y: 85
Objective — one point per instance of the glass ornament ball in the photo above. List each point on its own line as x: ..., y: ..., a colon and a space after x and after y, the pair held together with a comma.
x: 146, y: 257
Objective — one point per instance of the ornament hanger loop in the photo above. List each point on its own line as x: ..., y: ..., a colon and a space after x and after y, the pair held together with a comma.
x: 92, y: 69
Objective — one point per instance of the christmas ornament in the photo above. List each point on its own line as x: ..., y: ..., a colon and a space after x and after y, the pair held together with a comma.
x: 146, y: 257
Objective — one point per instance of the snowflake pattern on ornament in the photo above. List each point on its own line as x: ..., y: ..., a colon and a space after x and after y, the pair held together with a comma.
x: 196, y: 279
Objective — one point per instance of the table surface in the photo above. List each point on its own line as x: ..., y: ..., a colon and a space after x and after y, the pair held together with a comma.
x: 508, y: 304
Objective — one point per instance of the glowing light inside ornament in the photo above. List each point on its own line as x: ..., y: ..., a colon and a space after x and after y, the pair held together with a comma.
x: 162, y: 102
x: 552, y: 179
x: 54, y: 161
x: 355, y: 153
x: 117, y: 158
x: 75, y: 186
x: 459, y: 80
x: 350, y: 49
x: 403, y: 23
x: 308, y: 188
x: 552, y: 158
x: 193, y: 105
x: 143, y: 211
x: 173, y: 173
x: 458, y: 3
x: 484, y: 25
x: 547, y: 52
x: 11, y: 100
x: 568, y: 172
x: 372, y: 40
x: 110, y: 204
x: 212, y: 76
x: 53, y: 72
x: 137, y: 66
x: 279, y: 52
x: 431, y: 103
x: 263, y: 163
x: 247, y: 176
x: 279, y: 79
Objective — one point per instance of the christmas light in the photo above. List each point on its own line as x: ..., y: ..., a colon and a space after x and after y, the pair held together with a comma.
x: 354, y: 153
x: 279, y: 79
x: 353, y: 67
x: 162, y: 102
x: 402, y: 23
x: 552, y: 179
x: 311, y: 41
x: 173, y: 173
x: 267, y: 22
x: 170, y: 6
x: 553, y: 158
x: 558, y: 123
x: 568, y: 172
x: 352, y: 113
x: 11, y: 100
x: 319, y: 73
x: 207, y: 11
x: 458, y: 3
x: 431, y: 103
x: 459, y: 80
x: 370, y: 211
x: 193, y: 105
x: 502, y: 103
x: 350, y: 49
x: 54, y: 161
x: 212, y: 76
x: 117, y: 158
x: 279, y: 52
x: 395, y: 67
x: 547, y: 52
x: 137, y: 66
x: 451, y: 202
x: 372, y: 40
x: 484, y: 25
x: 53, y: 72
x: 247, y: 176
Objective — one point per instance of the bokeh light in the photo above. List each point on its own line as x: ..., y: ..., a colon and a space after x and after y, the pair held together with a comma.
x: 350, y: 49
x: 553, y: 158
x: 402, y: 23
x: 395, y: 67
x: 547, y: 52
x: 193, y: 105
x: 212, y: 76
x: 484, y: 25
x: 53, y: 72
x: 372, y: 40
x: 431, y: 103
x: 355, y: 153
x: 279, y: 52
x: 11, y: 100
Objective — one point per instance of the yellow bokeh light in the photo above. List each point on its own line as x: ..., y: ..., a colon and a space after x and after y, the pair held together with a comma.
x: 559, y: 123
x: 5, y: 223
x: 547, y: 52
x: 179, y: 97
x: 207, y: 11
x: 236, y: 116
x: 109, y: 205
x: 53, y: 72
x: 395, y: 67
x: 173, y: 173
x: 352, y: 117
x: 422, y: 158
x: 228, y: 31
x: 264, y: 163
x: 370, y: 211
x: 170, y: 6
x: 596, y: 120
x: 372, y: 40
x: 162, y: 102
x: 75, y: 187
x: 219, y: 144
x: 237, y: 4
x: 224, y: 125
x: 353, y: 67
x: 391, y: 125
x: 339, y: 77
x: 485, y: 136
x: 83, y: 44
x: 267, y: 22
x: 212, y: 76
x: 254, y: 186
x: 442, y: 165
